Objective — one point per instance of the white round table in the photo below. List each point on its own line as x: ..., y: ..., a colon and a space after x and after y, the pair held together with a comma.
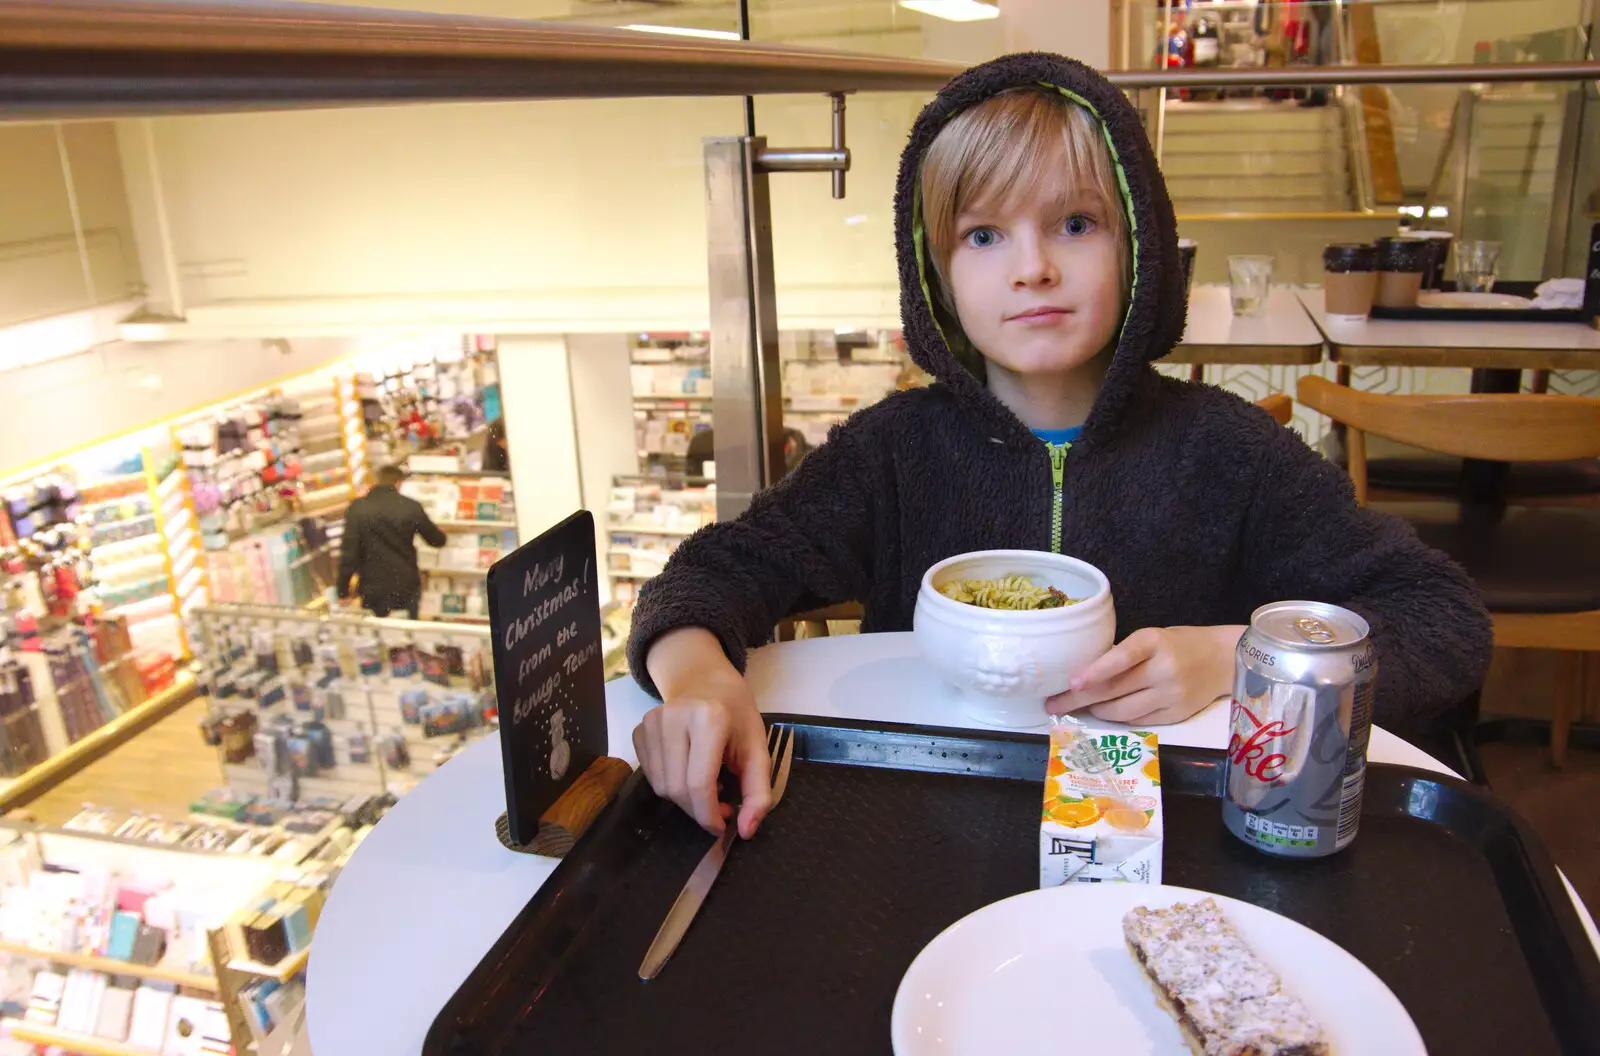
x: 431, y: 889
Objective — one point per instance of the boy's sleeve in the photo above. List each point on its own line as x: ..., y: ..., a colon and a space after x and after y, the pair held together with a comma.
x: 1305, y: 537
x: 806, y: 542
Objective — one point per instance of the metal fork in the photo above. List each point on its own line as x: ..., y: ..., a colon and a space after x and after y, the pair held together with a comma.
x: 780, y: 754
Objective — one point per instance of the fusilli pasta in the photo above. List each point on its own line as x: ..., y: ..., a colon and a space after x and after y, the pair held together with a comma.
x: 1007, y: 592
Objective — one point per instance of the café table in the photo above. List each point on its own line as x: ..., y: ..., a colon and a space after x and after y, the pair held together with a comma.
x: 1497, y: 353
x: 431, y: 888
x: 1282, y: 336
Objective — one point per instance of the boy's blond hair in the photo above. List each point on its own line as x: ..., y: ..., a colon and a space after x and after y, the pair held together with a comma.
x: 1021, y: 143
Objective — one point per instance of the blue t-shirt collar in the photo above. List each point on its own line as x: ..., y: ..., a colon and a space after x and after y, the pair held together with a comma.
x: 1059, y: 436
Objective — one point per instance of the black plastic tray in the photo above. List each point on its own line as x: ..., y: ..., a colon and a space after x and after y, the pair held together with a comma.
x: 799, y: 948
x: 1485, y: 315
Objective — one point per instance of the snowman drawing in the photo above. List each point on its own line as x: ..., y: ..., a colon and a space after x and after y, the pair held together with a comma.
x: 560, y: 750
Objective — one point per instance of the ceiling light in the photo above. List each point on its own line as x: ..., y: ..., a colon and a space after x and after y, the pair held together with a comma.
x: 684, y: 31
x: 953, y: 10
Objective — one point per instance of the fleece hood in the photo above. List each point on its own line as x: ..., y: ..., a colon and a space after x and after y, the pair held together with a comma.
x: 1155, y: 318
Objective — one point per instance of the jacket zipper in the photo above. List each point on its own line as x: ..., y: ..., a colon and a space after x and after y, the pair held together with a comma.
x: 1058, y: 470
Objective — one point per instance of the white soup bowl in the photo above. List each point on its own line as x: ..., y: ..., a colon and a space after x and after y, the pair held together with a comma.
x: 1004, y: 663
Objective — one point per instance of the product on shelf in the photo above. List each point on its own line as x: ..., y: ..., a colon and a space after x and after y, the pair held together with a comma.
x: 315, y: 686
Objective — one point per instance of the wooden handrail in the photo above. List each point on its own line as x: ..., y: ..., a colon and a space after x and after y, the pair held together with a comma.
x: 87, y: 57
x: 117, y: 56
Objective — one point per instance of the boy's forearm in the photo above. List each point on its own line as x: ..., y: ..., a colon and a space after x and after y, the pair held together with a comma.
x: 684, y: 655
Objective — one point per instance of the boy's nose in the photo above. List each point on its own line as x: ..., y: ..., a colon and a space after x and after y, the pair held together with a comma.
x: 1033, y: 267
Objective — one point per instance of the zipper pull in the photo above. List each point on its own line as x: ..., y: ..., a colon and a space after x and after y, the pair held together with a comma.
x: 1058, y: 462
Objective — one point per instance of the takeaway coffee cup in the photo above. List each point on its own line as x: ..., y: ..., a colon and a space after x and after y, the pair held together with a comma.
x: 1349, y: 279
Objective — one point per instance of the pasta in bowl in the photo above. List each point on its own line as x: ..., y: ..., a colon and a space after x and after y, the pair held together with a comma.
x: 1008, y: 628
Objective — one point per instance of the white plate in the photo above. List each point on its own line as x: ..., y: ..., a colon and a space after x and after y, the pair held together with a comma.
x: 1049, y: 971
x: 1449, y: 299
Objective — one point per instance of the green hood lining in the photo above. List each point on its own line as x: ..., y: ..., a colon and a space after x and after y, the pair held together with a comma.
x: 965, y: 353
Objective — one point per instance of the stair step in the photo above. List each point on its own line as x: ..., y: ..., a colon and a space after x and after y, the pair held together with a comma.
x: 1216, y: 118
x: 1229, y: 166
x: 1195, y: 141
x: 1213, y: 206
x: 1328, y: 185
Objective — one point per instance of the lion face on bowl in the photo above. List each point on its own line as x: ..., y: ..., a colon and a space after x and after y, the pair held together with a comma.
x: 1002, y: 667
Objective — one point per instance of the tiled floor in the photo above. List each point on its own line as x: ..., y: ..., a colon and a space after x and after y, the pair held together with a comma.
x: 161, y: 771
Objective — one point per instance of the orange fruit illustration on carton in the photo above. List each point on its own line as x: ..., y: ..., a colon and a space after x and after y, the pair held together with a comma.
x: 1152, y: 769
x: 1074, y: 814
x: 1127, y: 819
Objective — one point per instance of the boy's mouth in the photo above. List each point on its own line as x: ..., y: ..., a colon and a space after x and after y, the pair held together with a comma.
x: 1040, y: 313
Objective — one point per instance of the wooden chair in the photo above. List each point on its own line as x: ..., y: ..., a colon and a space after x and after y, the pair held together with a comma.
x: 1279, y: 405
x: 815, y: 622
x: 1536, y: 567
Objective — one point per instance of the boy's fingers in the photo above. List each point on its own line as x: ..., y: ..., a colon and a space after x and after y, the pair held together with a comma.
x: 1131, y: 708
x: 754, y: 782
x: 703, y: 765
x: 1066, y: 703
x: 641, y: 749
x: 1134, y: 650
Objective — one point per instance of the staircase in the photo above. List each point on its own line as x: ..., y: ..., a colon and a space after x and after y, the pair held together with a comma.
x: 1254, y: 156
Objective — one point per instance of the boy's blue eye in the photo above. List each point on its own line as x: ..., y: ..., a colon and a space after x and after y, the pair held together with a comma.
x: 981, y: 238
x: 1078, y: 225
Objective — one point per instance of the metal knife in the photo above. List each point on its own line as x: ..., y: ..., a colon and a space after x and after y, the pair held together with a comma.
x: 688, y: 904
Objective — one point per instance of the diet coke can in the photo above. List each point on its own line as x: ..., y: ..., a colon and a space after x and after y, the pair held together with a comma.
x: 1302, y: 711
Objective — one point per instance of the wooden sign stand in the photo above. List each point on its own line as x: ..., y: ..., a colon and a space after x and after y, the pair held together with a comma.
x: 570, y: 816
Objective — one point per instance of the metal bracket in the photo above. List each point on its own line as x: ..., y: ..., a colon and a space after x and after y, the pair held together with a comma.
x: 834, y: 159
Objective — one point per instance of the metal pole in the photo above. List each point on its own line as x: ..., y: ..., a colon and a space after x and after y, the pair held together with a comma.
x: 1462, y: 162
x: 747, y: 399
x: 1564, y: 187
x: 1161, y: 91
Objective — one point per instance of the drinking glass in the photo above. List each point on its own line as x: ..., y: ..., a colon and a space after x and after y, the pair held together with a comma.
x: 1249, y: 278
x: 1476, y: 265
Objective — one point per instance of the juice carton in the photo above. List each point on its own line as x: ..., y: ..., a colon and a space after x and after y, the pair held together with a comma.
x: 1102, y: 816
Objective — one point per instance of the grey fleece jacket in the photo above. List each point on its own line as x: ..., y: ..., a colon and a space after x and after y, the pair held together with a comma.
x: 1196, y: 504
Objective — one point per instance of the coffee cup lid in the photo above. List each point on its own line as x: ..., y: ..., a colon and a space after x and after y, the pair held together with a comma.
x: 1404, y: 254
x: 1349, y: 256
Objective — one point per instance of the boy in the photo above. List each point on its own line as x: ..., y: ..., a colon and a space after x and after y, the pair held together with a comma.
x: 1039, y: 279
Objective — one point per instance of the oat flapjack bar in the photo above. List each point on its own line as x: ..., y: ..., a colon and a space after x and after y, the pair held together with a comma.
x: 1226, y: 999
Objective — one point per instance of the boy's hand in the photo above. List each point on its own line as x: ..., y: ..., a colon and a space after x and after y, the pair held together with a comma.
x: 1155, y: 675
x: 707, y: 719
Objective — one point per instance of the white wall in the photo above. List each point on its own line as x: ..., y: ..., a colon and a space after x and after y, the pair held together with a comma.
x: 41, y: 273
x: 541, y: 437
x: 1080, y: 29
x: 421, y: 201
x: 67, y: 403
x: 602, y: 402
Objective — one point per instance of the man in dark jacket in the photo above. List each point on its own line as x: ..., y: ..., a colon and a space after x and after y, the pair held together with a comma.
x: 379, y: 546
x: 1040, y: 311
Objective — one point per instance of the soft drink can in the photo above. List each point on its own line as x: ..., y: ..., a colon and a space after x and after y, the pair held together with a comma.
x: 1304, y: 678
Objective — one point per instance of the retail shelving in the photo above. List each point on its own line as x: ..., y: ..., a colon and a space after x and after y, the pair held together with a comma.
x: 70, y: 1041
x: 283, y: 971
x: 112, y: 966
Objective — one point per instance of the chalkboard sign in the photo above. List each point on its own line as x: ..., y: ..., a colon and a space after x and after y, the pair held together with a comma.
x: 549, y: 669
